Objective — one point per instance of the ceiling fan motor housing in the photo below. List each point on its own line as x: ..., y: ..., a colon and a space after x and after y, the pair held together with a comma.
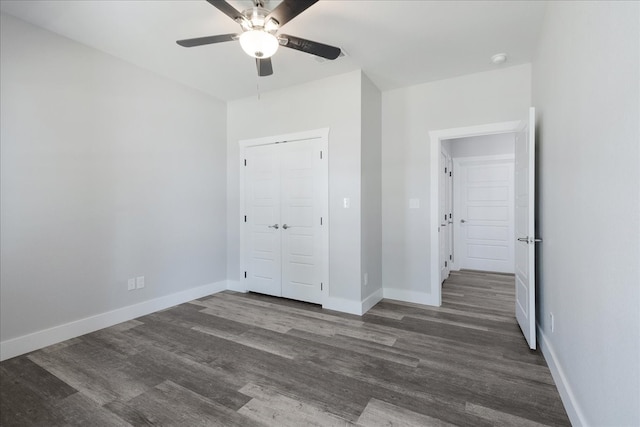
x: 258, y: 38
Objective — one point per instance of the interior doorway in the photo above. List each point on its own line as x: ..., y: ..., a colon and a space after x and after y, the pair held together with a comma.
x: 524, y: 202
x: 437, y: 142
x: 482, y: 227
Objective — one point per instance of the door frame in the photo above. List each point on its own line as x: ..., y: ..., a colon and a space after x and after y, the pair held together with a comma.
x: 435, y: 141
x: 319, y: 134
x: 458, y: 164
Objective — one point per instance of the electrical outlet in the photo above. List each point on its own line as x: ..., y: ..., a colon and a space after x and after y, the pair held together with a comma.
x: 131, y: 284
x: 366, y: 279
x: 139, y: 282
x: 551, y: 322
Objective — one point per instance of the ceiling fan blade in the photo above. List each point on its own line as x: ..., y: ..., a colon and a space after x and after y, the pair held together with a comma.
x: 308, y: 46
x: 199, y: 41
x: 227, y: 9
x: 264, y: 67
x: 289, y: 9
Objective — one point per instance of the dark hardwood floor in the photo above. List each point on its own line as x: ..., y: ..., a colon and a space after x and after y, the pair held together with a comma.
x: 244, y: 359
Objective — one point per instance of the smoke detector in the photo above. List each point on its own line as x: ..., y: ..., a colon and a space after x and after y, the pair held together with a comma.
x: 499, y: 58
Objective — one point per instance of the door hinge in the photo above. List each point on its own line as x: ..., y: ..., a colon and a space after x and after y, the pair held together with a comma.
x: 245, y: 274
x: 445, y: 170
x: 245, y: 162
x: 449, y: 173
x: 320, y: 285
x: 449, y: 216
x: 320, y: 154
x: 450, y: 257
x: 320, y: 220
x: 245, y: 218
x: 445, y: 263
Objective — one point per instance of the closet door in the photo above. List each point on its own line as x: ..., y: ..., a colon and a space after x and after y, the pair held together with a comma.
x: 262, y: 206
x: 284, y: 198
x: 301, y: 211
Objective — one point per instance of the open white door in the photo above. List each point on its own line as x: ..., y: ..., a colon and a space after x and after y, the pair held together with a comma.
x: 525, y: 229
x: 444, y: 218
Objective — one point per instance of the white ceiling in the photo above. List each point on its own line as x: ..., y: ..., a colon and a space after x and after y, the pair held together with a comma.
x: 396, y: 43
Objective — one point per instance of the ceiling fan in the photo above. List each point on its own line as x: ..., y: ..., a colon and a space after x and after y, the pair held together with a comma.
x: 259, y: 37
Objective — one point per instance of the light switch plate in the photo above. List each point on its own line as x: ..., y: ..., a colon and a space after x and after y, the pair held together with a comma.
x: 347, y: 203
x: 414, y: 203
x: 139, y: 282
x: 131, y: 284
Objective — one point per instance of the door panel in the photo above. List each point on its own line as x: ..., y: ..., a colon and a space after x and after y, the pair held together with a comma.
x: 525, y: 230
x: 486, y: 207
x: 262, y: 205
x: 301, y: 207
x: 445, y: 207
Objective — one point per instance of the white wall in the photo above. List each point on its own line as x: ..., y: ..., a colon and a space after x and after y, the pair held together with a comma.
x: 408, y: 114
x: 371, y: 245
x: 586, y: 88
x: 334, y: 103
x: 485, y: 145
x: 107, y: 172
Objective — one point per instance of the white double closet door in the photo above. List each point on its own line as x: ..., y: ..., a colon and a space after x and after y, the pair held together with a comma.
x: 285, y: 203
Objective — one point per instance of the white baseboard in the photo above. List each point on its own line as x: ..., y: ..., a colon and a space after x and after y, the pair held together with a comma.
x: 235, y: 285
x: 410, y: 296
x: 350, y: 306
x: 371, y: 300
x: 37, y: 340
x: 343, y: 305
x: 576, y: 416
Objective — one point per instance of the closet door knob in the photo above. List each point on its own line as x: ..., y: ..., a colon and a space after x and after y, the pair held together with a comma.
x: 274, y: 226
x: 285, y: 226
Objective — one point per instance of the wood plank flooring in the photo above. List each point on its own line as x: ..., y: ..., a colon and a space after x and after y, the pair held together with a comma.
x: 245, y: 359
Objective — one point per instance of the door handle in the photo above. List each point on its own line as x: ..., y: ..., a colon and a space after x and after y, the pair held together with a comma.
x: 274, y: 226
x: 285, y: 226
x: 529, y: 239
x: 444, y: 224
x: 462, y: 221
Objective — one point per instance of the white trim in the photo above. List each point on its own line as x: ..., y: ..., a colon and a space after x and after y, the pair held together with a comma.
x: 323, y: 135
x: 435, y: 137
x: 411, y: 296
x: 236, y: 285
x: 353, y: 307
x: 575, y: 413
x: 480, y: 159
x: 37, y: 340
x: 342, y: 304
x: 371, y: 300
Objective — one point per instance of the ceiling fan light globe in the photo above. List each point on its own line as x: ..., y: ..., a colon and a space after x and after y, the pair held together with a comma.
x: 259, y: 44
